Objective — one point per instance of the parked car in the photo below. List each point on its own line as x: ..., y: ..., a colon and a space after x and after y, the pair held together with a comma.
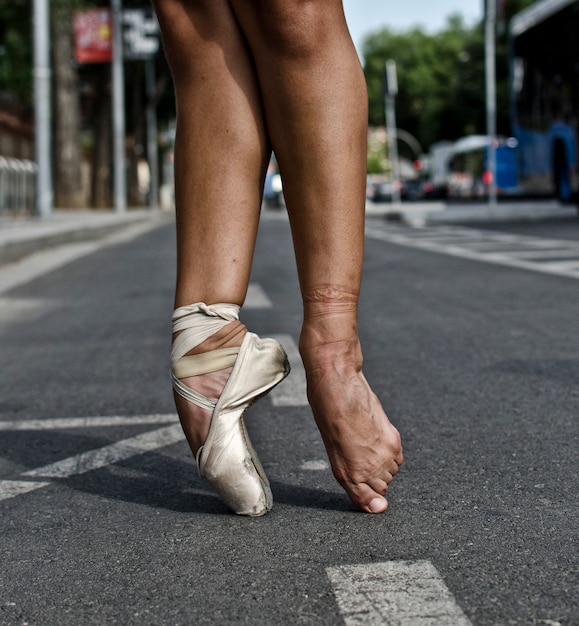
x: 273, y: 188
x: 430, y: 191
x: 379, y: 189
x: 412, y: 190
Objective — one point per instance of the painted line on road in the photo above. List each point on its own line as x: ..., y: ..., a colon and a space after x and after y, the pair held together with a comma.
x: 88, y: 422
x: 292, y: 391
x: 14, y: 309
x: 543, y: 254
x: 93, y: 459
x: 464, y: 246
x: 36, y: 265
x: 101, y: 457
x: 315, y: 466
x: 563, y: 265
x: 40, y: 263
x: 13, y: 488
x: 395, y: 593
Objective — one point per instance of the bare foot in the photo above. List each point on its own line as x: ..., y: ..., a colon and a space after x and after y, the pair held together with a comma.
x: 196, y: 420
x: 363, y: 447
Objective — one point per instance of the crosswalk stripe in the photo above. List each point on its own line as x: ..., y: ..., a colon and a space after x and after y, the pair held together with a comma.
x: 87, y: 422
x: 93, y: 459
x: 13, y: 488
x: 119, y: 451
x: 394, y: 593
x: 517, y: 251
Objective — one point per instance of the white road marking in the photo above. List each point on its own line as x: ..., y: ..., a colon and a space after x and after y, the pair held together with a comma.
x: 517, y: 251
x: 95, y: 459
x: 88, y: 422
x: 395, y: 593
x: 292, y: 391
x: 563, y: 265
x: 314, y: 466
x: 14, y: 309
x: 256, y: 298
x: 119, y: 451
x: 542, y: 254
x: 13, y: 275
x: 13, y: 488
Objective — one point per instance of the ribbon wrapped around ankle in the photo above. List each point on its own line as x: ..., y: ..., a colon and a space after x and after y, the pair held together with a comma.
x: 197, y: 322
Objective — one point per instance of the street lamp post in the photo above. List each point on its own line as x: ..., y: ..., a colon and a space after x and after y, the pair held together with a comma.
x: 491, y: 97
x: 119, y: 177
x: 389, y: 101
x: 42, y: 108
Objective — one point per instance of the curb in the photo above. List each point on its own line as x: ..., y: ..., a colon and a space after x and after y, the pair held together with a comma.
x: 424, y: 214
x: 23, y: 237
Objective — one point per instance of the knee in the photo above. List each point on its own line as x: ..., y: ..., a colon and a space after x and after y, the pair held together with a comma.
x: 186, y: 28
x: 298, y: 28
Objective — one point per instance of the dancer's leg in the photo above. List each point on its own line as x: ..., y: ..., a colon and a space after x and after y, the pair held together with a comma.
x: 315, y: 102
x: 221, y: 151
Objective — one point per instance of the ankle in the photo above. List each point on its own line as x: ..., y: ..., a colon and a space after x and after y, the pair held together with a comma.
x: 230, y: 336
x: 330, y: 329
x: 338, y: 354
x: 330, y: 315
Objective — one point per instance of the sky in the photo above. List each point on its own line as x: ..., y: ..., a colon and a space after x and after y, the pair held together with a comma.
x: 365, y: 16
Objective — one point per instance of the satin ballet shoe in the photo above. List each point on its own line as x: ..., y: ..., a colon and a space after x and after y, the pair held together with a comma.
x: 227, y: 460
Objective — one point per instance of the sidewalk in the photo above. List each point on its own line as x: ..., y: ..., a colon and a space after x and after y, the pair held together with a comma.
x: 430, y: 213
x: 23, y: 236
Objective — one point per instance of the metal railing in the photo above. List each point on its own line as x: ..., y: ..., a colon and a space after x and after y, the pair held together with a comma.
x: 17, y: 185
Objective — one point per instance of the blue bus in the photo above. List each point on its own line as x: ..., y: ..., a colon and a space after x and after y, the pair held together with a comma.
x: 544, y: 68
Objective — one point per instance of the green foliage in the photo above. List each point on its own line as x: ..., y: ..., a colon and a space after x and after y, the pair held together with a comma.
x: 441, y: 78
x: 377, y: 161
x: 16, y: 49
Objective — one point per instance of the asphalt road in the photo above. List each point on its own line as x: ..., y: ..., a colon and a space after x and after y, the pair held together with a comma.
x: 470, y: 341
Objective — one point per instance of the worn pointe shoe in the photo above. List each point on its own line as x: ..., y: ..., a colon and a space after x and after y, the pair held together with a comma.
x: 227, y: 460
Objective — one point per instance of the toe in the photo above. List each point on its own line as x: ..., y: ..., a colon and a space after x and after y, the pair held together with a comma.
x: 378, y: 505
x: 366, y: 498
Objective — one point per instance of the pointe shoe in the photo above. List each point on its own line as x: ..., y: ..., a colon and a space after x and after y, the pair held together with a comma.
x: 227, y: 460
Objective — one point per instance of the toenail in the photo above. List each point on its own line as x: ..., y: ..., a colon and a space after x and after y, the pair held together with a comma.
x: 378, y: 505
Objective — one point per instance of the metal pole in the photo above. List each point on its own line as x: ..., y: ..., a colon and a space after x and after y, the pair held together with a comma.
x: 391, y: 91
x: 42, y: 108
x: 491, y: 98
x: 152, y: 134
x: 119, y: 177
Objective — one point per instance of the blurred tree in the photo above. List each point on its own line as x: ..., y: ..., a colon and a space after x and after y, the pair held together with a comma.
x: 81, y: 93
x: 16, y: 50
x: 441, y: 78
x: 67, y: 153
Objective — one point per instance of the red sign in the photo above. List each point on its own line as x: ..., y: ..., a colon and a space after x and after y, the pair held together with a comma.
x: 93, y: 36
